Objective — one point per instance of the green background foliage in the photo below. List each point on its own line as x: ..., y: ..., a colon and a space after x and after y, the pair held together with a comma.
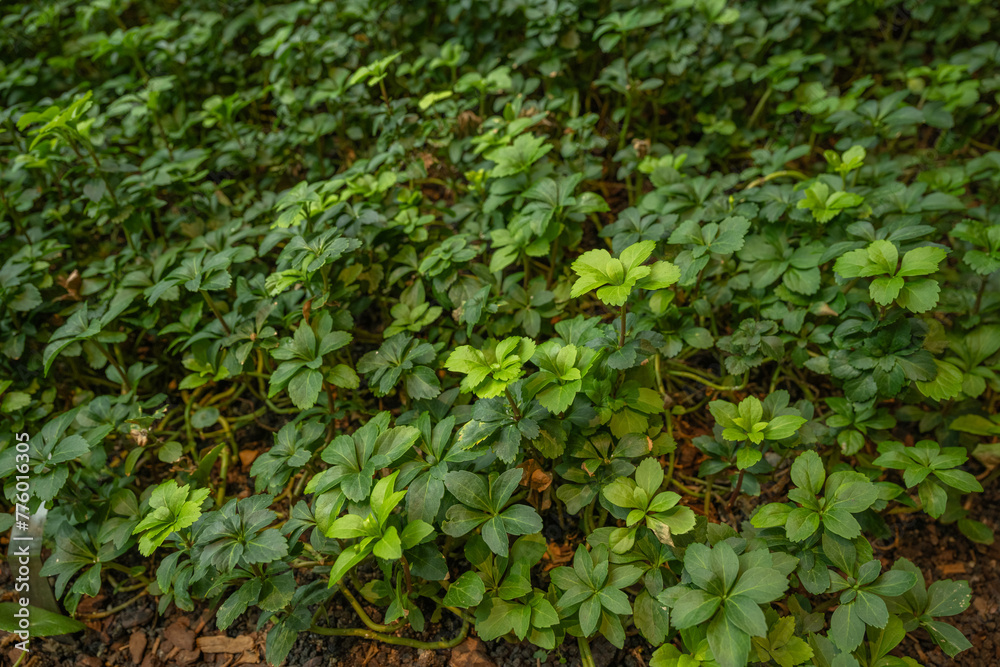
x: 455, y: 274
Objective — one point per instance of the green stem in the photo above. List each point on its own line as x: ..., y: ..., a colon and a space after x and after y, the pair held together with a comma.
x: 385, y: 97
x: 586, y: 657
x: 622, y: 312
x: 100, y: 172
x: 798, y: 175
x: 114, y: 610
x: 707, y: 383
x: 458, y: 612
x: 513, y: 404
x: 218, y: 315
x: 979, y: 295
x: 363, y: 615
x: 220, y: 495
x: 760, y: 106
x: 390, y: 639
x: 114, y: 362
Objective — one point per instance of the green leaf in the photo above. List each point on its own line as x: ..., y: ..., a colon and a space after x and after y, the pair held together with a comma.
x: 470, y: 489
x: 871, y: 609
x: 841, y: 522
x: 919, y: 296
x: 590, y: 615
x: 783, y: 426
x: 771, y: 515
x: 649, y: 476
x: 922, y: 261
x: 521, y: 520
x: 884, y: 290
x: 960, y: 480
x: 746, y: 615
x: 172, y: 508
x: 661, y: 275
x: 884, y: 255
x: 42, y: 623
x: 847, y: 630
x: 945, y: 597
x: 238, y: 602
x: 801, y: 523
x: 976, y: 531
x: 693, y: 608
x: 808, y: 472
x: 747, y: 457
x: 495, y: 535
x: 854, y: 264
x: 304, y: 387
x: 948, y: 637
x: 760, y: 584
x: 467, y: 591
x: 730, y: 645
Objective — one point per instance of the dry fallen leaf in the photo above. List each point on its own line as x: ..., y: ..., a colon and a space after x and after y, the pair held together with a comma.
x: 247, y: 457
x: 534, y: 477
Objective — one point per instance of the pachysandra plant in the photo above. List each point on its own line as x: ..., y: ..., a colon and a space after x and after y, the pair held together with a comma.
x: 881, y: 261
x: 570, y: 325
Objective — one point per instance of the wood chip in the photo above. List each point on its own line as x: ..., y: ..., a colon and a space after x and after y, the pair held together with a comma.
x: 248, y: 658
x: 953, y: 568
x: 137, y: 645
x: 180, y: 635
x: 470, y: 653
x: 186, y: 657
x: 224, y: 644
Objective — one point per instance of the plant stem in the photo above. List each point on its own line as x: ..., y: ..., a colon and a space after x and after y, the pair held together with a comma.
x: 114, y: 362
x: 707, y: 383
x: 622, y: 312
x: 220, y: 494
x: 513, y: 404
x: 798, y: 175
x: 736, y: 491
x: 586, y: 657
x: 406, y: 574
x: 114, y: 610
x: 760, y: 106
x: 363, y: 615
x: 979, y: 295
x: 389, y: 639
x: 218, y: 315
x: 385, y: 96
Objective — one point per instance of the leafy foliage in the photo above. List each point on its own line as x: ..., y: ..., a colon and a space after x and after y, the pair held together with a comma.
x: 459, y: 286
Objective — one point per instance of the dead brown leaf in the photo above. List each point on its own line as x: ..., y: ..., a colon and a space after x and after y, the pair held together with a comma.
x: 534, y: 477
x: 71, y: 284
x: 247, y: 457
x: 556, y: 555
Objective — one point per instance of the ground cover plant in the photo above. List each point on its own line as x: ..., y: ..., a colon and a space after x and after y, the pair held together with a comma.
x: 552, y: 323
